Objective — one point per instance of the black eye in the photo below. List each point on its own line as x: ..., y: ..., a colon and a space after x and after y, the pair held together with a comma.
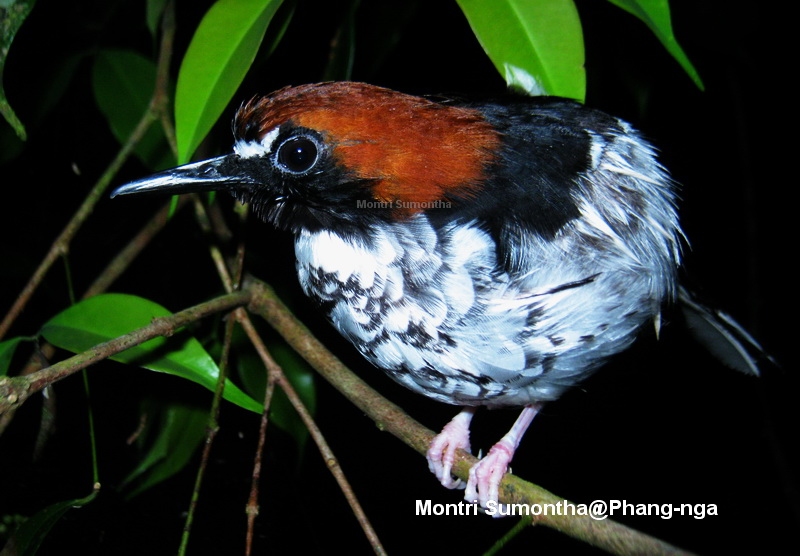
x: 297, y: 155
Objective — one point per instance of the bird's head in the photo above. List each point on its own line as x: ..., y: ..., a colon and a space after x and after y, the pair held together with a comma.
x: 322, y: 155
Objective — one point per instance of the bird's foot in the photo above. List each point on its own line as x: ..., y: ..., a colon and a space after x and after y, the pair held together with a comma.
x: 442, y: 451
x: 485, y: 476
x: 483, y: 485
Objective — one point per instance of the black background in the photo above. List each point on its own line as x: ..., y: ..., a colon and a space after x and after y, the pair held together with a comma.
x: 662, y: 423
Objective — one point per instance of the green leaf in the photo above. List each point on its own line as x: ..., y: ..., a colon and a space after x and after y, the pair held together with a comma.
x: 536, y: 45
x: 7, y: 350
x: 655, y: 14
x: 104, y: 317
x: 222, y: 50
x: 123, y: 83
x: 12, y: 15
x: 179, y: 432
x: 29, y: 535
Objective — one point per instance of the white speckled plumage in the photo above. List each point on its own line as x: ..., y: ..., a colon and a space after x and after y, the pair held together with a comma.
x: 431, y: 307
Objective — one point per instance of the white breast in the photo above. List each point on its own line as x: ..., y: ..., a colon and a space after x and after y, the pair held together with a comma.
x: 433, y: 309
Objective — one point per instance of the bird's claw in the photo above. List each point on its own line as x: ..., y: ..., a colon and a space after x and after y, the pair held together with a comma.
x: 483, y: 485
x: 442, y: 451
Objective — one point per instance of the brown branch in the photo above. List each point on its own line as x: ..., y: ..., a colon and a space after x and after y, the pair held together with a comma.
x: 14, y: 391
x: 261, y: 299
x: 159, y: 103
x: 61, y: 244
x: 252, y: 508
x: 606, y: 534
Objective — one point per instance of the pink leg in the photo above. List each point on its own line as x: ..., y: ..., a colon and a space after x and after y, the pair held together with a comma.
x: 442, y: 451
x: 485, y: 476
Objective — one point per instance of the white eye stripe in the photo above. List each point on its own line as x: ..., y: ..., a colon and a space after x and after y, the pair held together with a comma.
x: 252, y: 149
x: 269, y: 139
x: 249, y: 149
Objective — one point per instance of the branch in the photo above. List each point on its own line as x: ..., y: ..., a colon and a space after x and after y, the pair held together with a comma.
x: 156, y: 109
x: 103, y: 281
x: 15, y: 390
x: 261, y: 299
x: 607, y: 534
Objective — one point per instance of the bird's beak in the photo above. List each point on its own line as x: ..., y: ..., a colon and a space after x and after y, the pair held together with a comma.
x: 223, y: 172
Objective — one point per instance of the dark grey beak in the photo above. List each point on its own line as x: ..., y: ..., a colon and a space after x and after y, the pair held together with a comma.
x: 223, y: 172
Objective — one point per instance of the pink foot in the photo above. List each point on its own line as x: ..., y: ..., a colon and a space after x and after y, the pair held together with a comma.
x: 485, y: 476
x: 442, y: 451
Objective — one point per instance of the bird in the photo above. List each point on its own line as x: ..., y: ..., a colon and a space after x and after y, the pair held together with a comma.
x: 483, y: 252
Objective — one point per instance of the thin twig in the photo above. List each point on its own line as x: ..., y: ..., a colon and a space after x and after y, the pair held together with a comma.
x: 277, y: 374
x: 160, y: 100
x: 252, y: 508
x: 211, y: 434
x: 231, y: 284
x: 213, y: 418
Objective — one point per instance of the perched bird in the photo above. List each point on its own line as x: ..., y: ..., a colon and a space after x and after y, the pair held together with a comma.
x: 488, y: 253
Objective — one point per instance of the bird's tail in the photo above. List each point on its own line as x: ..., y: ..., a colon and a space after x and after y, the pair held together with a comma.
x: 722, y: 336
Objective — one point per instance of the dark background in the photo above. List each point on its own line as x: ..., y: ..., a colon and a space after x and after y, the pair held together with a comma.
x: 662, y: 423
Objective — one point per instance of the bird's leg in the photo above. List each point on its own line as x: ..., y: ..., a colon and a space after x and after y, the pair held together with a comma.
x: 442, y: 451
x: 485, y: 476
